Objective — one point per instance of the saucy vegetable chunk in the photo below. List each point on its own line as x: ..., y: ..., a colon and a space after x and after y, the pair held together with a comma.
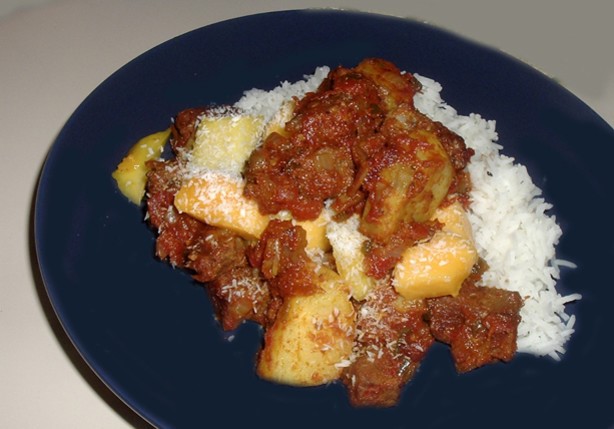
x: 407, y: 181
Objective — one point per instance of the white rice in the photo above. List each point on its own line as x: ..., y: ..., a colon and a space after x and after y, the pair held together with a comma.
x: 513, y: 230
x: 263, y: 103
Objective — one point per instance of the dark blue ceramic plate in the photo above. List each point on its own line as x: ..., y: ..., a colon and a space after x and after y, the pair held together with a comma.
x: 148, y: 331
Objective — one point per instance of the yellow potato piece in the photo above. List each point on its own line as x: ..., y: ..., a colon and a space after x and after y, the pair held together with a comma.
x: 455, y: 220
x: 347, y: 242
x: 218, y: 200
x: 131, y: 173
x: 224, y: 143
x: 316, y: 232
x: 438, y: 267
x: 311, y: 337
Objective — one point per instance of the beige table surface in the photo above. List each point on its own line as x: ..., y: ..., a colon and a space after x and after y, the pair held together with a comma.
x: 53, y: 53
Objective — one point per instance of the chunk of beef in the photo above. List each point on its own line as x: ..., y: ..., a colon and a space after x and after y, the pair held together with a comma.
x: 480, y: 324
x: 239, y: 294
x: 392, y: 339
x: 281, y: 257
x: 184, y: 127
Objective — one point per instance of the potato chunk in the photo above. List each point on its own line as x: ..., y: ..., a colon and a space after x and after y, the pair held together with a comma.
x: 223, y: 143
x: 347, y: 242
x: 218, y: 200
x: 311, y: 335
x: 131, y: 173
x: 455, y: 220
x: 316, y: 232
x: 438, y: 267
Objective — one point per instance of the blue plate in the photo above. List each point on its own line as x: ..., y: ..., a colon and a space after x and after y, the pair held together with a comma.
x: 148, y: 330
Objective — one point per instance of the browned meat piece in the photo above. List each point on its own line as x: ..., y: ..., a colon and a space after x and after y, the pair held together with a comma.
x: 391, y: 342
x: 239, y: 294
x: 313, y: 160
x: 184, y: 127
x: 480, y: 324
x: 284, y: 175
x: 377, y: 382
x: 175, y: 230
x: 161, y: 187
x: 280, y: 255
x: 213, y: 251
